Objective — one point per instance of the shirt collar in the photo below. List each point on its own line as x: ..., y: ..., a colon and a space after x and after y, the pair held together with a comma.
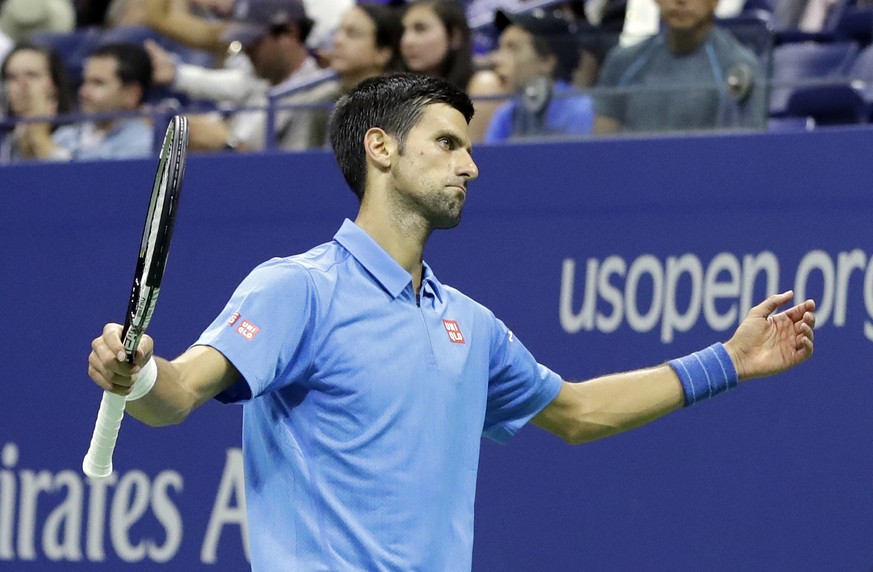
x: 393, y: 277
x: 430, y: 282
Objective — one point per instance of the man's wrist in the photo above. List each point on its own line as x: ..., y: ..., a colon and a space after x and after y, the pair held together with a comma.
x: 145, y: 380
x: 705, y: 374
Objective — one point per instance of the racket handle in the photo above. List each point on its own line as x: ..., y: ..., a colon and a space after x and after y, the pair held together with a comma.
x: 97, y: 463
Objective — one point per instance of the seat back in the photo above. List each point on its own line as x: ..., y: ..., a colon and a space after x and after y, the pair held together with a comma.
x: 805, y: 64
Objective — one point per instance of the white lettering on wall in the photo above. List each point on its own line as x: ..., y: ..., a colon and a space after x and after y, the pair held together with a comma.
x: 678, y: 291
x: 229, y: 508
x: 46, y: 515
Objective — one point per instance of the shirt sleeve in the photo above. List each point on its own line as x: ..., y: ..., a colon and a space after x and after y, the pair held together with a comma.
x: 518, y: 386
x: 265, y: 329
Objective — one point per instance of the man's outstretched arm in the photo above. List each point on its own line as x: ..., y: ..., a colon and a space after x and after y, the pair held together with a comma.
x: 765, y: 343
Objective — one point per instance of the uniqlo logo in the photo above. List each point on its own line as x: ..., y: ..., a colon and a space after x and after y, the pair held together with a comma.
x: 454, y: 332
x: 233, y: 318
x: 248, y: 330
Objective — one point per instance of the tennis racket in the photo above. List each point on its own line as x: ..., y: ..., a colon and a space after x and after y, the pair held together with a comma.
x: 150, y: 265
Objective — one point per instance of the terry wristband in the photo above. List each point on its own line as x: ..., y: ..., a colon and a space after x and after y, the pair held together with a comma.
x: 705, y: 374
x: 145, y: 381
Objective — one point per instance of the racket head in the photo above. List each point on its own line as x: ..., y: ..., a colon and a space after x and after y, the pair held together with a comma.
x: 157, y: 233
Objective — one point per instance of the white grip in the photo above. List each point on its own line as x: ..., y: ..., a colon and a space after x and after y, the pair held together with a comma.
x: 97, y: 463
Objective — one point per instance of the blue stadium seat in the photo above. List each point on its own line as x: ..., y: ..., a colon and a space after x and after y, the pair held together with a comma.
x: 856, y: 24
x: 805, y: 65
x: 73, y: 47
x: 847, y: 99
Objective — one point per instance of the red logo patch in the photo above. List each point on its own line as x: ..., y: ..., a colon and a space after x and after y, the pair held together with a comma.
x: 233, y: 318
x: 454, y: 332
x: 248, y: 330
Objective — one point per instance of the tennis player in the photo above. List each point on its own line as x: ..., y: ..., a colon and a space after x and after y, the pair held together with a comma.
x: 367, y: 384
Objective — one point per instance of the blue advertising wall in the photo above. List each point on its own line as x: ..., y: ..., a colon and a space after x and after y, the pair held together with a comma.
x: 601, y: 256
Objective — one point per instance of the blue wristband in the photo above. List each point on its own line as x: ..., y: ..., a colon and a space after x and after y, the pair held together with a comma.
x: 705, y: 374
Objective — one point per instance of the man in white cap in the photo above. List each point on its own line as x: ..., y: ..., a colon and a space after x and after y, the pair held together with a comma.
x: 19, y: 19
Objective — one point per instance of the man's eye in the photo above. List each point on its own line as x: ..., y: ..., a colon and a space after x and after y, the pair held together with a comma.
x: 445, y: 143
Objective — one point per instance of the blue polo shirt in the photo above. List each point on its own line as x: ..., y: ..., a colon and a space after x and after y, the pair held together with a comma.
x: 364, y: 408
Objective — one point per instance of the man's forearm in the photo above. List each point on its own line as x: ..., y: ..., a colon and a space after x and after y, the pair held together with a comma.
x: 168, y: 403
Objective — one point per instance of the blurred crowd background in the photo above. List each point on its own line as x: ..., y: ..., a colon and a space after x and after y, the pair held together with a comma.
x: 97, y: 79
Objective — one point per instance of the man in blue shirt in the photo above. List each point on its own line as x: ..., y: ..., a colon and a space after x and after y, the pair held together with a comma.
x: 537, y: 53
x: 116, y: 79
x: 367, y: 383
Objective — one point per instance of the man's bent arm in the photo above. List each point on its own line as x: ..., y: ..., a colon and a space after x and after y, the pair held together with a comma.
x: 183, y: 385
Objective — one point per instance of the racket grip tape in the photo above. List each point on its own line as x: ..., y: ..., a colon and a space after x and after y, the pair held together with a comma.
x: 97, y: 463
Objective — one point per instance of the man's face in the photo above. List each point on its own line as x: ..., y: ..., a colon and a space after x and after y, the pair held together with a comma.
x: 354, y: 45
x: 102, y: 90
x: 434, y: 167
x: 269, y: 56
x: 687, y: 15
x: 516, y: 60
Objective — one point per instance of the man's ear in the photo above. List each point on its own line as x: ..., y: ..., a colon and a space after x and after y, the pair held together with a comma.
x: 131, y: 96
x: 380, y: 147
x: 548, y: 64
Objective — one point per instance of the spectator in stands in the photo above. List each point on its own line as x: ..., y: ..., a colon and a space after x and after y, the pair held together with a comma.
x: 232, y: 83
x: 116, y: 80
x: 273, y: 34
x: 537, y: 55
x: 691, y: 75
x: 200, y: 29
x: 365, y: 44
x: 437, y: 41
x: 36, y: 85
x: 19, y: 19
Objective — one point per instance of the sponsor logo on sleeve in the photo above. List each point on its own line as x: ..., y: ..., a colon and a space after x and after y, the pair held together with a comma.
x: 247, y: 330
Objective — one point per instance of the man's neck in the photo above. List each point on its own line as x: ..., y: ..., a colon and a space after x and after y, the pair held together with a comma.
x: 684, y: 42
x: 296, y: 64
x: 105, y: 125
x: 402, y: 238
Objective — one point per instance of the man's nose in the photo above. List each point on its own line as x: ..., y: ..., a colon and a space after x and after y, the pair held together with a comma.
x: 468, y: 168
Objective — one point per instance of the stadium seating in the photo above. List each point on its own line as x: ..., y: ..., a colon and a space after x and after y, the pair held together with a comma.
x: 74, y: 47
x: 807, y: 64
x: 845, y: 99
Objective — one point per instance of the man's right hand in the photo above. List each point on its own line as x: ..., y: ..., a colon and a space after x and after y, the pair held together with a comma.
x: 108, y: 365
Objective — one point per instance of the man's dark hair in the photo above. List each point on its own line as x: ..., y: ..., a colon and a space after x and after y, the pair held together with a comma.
x: 134, y: 64
x: 392, y: 102
x: 389, y: 30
